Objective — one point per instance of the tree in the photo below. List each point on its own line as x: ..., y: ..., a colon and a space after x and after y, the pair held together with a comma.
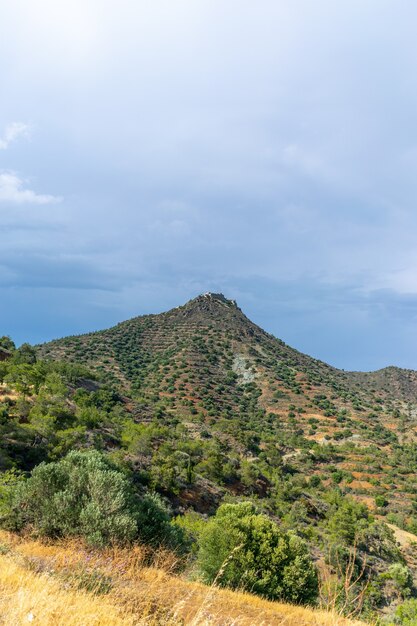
x: 406, y: 614
x: 347, y: 520
x: 25, y: 354
x: 381, y: 500
x: 23, y: 376
x: 7, y: 343
x: 240, y: 548
x: 401, y: 577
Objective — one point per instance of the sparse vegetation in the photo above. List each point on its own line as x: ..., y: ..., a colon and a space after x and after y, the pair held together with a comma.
x: 198, y: 414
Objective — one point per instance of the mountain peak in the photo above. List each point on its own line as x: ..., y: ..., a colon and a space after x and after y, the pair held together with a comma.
x: 212, y: 304
x: 216, y: 297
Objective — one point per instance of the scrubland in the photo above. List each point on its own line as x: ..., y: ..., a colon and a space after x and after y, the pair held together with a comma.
x: 67, y: 584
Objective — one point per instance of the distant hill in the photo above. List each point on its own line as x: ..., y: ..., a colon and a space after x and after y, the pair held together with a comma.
x: 207, y: 349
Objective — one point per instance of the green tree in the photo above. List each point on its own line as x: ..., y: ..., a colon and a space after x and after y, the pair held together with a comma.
x: 9, y: 481
x: 381, y: 500
x: 406, y: 614
x: 23, y: 376
x: 7, y: 343
x: 25, y: 354
x: 347, y: 520
x: 240, y: 548
x: 402, y: 578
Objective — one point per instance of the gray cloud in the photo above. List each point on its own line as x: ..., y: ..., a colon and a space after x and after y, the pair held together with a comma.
x: 53, y: 271
x: 264, y: 149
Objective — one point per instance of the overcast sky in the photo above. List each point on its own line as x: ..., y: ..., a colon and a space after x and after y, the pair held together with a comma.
x: 153, y: 150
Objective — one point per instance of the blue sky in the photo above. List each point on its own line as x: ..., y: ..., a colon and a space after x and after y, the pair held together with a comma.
x: 151, y: 151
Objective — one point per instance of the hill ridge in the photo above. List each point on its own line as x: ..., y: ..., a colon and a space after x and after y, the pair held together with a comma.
x: 212, y: 338
x: 209, y: 302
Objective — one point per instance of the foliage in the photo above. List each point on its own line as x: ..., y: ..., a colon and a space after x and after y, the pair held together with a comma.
x: 154, y: 523
x: 85, y: 495
x: 241, y: 548
x: 346, y: 519
x: 26, y: 354
x: 7, y: 343
x: 401, y: 577
x: 82, y: 494
x: 406, y: 614
x: 9, y: 483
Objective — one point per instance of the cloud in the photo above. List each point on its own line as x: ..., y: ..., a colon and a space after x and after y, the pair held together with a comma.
x: 53, y: 270
x: 12, y: 132
x: 188, y: 166
x: 11, y: 190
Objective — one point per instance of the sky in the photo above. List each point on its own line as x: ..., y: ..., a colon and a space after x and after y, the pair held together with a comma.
x: 151, y: 151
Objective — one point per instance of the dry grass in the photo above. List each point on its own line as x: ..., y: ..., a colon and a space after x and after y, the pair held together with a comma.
x: 403, y: 537
x: 46, y: 584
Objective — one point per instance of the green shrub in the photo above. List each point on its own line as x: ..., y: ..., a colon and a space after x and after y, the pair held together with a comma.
x: 380, y: 500
x: 9, y: 482
x: 85, y: 495
x: 192, y: 525
x: 406, y: 614
x: 402, y: 578
x: 154, y: 523
x: 82, y: 494
x: 347, y: 520
x: 240, y: 548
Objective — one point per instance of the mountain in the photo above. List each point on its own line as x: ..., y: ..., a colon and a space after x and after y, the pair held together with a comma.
x: 208, y: 343
x: 206, y: 366
x: 203, y: 407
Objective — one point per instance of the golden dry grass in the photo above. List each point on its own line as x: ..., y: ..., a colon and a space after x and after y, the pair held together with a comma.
x: 27, y: 598
x: 39, y: 584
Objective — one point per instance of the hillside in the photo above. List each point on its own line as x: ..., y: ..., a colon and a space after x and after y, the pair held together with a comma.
x: 69, y: 585
x: 199, y: 409
x: 210, y: 335
x: 206, y: 364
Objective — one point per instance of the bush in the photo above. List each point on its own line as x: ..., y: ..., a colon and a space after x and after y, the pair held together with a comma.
x: 380, y: 501
x: 154, y: 523
x: 240, y: 548
x: 85, y: 495
x: 406, y: 614
x: 82, y: 494
x: 402, y: 578
x: 347, y: 520
x: 9, y: 482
